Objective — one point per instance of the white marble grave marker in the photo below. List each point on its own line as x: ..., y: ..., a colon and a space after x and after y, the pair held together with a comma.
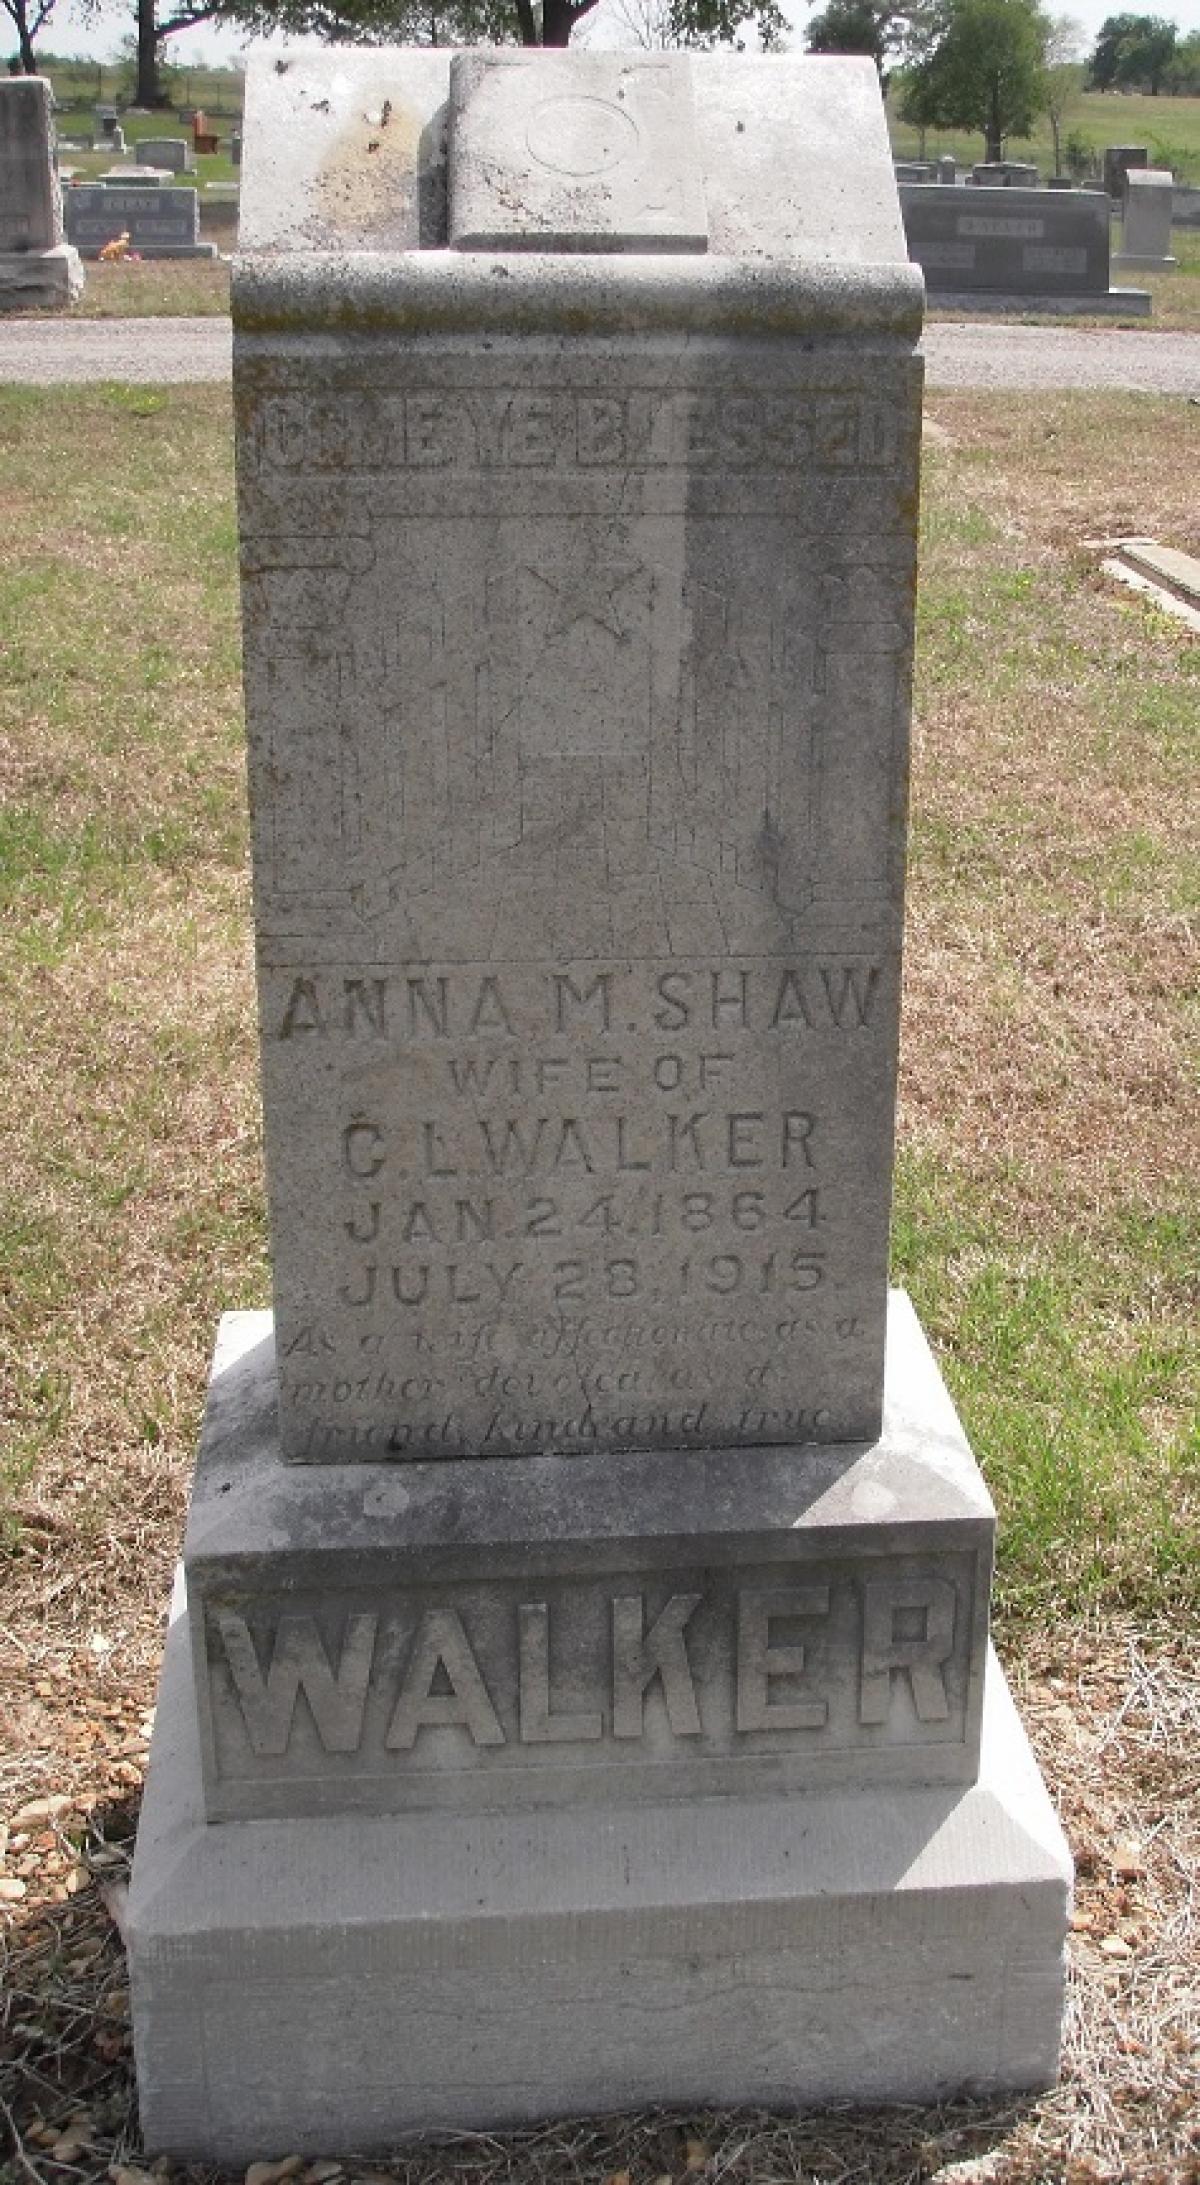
x: 577, y: 683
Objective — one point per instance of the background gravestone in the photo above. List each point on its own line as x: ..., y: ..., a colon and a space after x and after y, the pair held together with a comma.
x: 174, y: 153
x: 36, y: 267
x: 160, y: 222
x: 1009, y: 242
x: 1119, y: 161
x: 1146, y: 223
x: 586, y: 1583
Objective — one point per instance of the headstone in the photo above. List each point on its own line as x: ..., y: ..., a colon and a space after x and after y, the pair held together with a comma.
x: 133, y: 178
x: 1146, y: 227
x: 1005, y: 174
x: 585, y: 1493
x: 37, y: 268
x: 235, y: 148
x: 1119, y: 159
x: 106, y: 123
x: 1010, y: 242
x: 174, y: 153
x: 1185, y: 206
x: 915, y: 170
x: 115, y: 139
x: 160, y: 223
x: 204, y: 139
x: 1060, y: 182
x: 947, y: 170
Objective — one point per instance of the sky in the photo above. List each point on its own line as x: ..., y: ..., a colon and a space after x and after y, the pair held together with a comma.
x: 100, y: 36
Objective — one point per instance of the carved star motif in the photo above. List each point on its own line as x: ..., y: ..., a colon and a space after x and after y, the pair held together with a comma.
x: 586, y: 587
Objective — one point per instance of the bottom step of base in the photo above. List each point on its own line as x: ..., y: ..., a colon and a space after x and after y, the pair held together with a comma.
x: 330, y: 1986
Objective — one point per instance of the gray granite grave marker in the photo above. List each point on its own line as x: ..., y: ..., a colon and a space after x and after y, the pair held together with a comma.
x: 160, y: 222
x: 1013, y: 242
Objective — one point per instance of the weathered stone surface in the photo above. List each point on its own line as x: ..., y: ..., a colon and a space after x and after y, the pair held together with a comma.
x: 605, y: 160
x: 160, y: 223
x: 1146, y: 227
x: 349, y: 152
x: 1021, y: 242
x: 577, y: 667
x: 37, y: 269
x: 804, y: 1616
x: 30, y: 205
x: 40, y: 279
x: 331, y: 1986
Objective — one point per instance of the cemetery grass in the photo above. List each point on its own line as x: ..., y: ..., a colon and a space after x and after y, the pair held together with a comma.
x: 155, y: 288
x: 1046, y: 1224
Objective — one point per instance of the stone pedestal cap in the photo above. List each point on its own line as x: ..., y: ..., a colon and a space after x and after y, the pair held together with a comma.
x: 779, y: 162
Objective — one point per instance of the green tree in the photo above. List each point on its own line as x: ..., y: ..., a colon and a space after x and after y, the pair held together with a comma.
x: 492, y: 22
x: 28, y: 18
x: 151, y: 30
x: 1133, y: 53
x: 1064, y: 76
x: 1183, y: 75
x: 852, y: 26
x: 915, y: 103
x: 985, y: 70
x: 895, y: 30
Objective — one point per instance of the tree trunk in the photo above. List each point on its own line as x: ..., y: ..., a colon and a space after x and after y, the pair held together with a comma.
x: 148, y: 90
x: 25, y: 42
x: 558, y: 21
x: 995, y: 142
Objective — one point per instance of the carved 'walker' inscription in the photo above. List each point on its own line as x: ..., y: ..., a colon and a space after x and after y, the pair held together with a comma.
x: 756, y: 1663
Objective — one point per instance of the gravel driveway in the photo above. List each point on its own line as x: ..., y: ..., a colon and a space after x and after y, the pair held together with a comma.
x: 969, y: 354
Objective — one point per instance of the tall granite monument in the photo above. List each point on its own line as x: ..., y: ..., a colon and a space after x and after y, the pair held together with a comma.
x: 579, y: 1694
x: 38, y: 270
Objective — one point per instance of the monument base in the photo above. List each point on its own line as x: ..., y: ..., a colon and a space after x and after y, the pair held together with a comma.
x: 1133, y: 262
x: 40, y: 280
x: 325, y: 1987
x: 157, y: 250
x: 1113, y: 303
